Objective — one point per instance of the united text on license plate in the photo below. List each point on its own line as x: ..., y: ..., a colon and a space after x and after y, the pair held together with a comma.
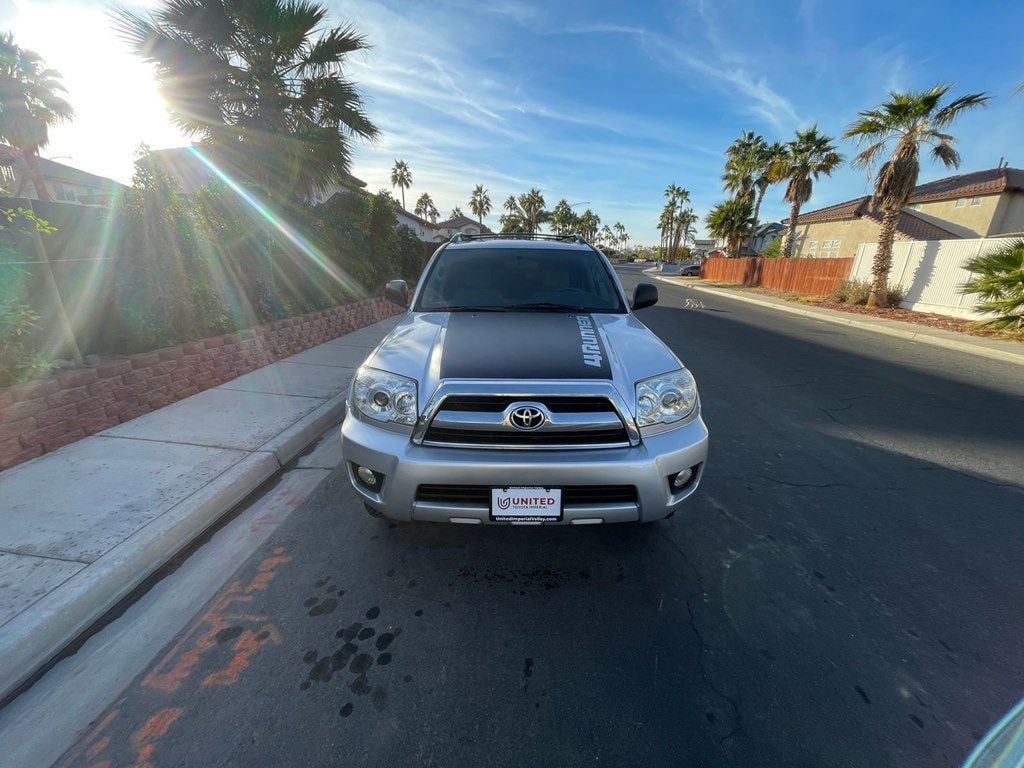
x: 526, y: 504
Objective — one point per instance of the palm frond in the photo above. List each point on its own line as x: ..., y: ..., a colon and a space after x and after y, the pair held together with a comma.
x: 951, y: 111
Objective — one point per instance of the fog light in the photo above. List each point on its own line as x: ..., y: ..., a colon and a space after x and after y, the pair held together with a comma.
x: 681, y: 479
x: 367, y: 477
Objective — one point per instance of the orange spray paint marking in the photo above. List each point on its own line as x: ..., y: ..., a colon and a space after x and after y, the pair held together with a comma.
x: 98, y: 747
x: 146, y: 738
x: 176, y: 666
x: 248, y: 645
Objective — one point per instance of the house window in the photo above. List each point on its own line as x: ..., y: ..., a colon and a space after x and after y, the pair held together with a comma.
x: 813, y: 244
x: 959, y: 202
x: 836, y: 243
x: 975, y: 201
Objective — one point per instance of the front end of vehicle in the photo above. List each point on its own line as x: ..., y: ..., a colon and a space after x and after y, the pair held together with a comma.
x: 610, y: 459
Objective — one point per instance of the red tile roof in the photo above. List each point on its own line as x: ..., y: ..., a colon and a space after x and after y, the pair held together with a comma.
x: 987, y: 182
x: 914, y: 227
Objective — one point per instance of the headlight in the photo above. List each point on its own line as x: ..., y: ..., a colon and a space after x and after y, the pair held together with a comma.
x: 665, y: 399
x: 385, y: 396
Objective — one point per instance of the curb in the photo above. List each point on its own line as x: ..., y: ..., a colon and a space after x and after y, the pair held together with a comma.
x: 935, y: 341
x: 31, y: 640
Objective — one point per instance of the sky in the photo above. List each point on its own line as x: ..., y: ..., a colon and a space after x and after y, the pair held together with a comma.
x: 601, y: 103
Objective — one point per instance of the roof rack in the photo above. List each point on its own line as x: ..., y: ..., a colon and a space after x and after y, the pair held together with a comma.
x: 461, y: 237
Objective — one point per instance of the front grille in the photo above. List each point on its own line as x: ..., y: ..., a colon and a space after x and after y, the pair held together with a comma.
x: 572, y: 495
x: 526, y: 439
x: 572, y: 422
x: 554, y: 403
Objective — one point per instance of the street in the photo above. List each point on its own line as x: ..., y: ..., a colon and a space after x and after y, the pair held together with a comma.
x: 843, y: 590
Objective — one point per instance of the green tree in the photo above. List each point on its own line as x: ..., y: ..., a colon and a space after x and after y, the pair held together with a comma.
x: 908, y: 121
x: 764, y: 177
x: 676, y: 200
x: 564, y: 220
x: 30, y: 102
x: 621, y: 236
x: 425, y: 208
x: 810, y: 155
x: 456, y: 212
x: 999, y: 282
x: 401, y: 177
x: 260, y: 84
x: 524, y: 213
x: 588, y: 223
x: 480, y: 203
x: 730, y: 221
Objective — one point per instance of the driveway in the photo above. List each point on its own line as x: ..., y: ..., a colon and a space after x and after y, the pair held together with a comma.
x: 844, y: 590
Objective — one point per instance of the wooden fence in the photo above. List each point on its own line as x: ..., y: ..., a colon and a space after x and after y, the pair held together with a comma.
x: 814, y: 277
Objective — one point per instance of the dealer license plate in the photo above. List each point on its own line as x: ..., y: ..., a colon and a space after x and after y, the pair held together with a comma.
x: 526, y: 504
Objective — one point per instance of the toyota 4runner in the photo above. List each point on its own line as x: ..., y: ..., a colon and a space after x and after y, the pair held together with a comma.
x: 521, y: 388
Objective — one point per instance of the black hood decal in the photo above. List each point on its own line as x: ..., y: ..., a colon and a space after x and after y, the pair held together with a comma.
x: 523, y: 345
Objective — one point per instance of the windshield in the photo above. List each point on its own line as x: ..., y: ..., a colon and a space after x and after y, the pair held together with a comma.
x: 519, y: 279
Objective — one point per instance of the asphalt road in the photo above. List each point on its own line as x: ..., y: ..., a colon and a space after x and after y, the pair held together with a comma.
x: 844, y: 590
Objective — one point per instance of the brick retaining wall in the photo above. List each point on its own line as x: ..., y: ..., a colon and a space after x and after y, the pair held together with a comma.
x: 41, y: 416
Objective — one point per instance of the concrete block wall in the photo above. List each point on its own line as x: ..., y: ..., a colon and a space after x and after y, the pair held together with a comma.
x: 41, y: 416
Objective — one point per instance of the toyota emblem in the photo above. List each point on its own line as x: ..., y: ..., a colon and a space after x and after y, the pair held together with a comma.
x: 526, y: 418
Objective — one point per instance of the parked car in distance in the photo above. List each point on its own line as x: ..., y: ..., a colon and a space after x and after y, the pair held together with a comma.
x: 521, y: 388
x: 690, y: 270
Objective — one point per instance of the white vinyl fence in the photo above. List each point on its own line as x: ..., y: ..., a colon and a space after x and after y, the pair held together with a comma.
x: 931, y: 272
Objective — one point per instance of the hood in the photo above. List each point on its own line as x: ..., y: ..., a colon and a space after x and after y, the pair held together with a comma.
x: 433, y: 346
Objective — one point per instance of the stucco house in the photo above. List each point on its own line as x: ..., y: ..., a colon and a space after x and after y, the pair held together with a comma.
x: 63, y: 182
x: 978, y: 204
x: 463, y: 224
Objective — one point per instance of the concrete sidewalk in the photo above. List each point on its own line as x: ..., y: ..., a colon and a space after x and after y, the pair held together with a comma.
x: 1007, y: 351
x: 80, y: 528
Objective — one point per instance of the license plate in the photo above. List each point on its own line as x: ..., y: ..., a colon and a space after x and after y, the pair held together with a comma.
x: 526, y: 504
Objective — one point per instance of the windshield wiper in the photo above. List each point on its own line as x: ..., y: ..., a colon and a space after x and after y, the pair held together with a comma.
x: 467, y: 308
x: 547, y: 306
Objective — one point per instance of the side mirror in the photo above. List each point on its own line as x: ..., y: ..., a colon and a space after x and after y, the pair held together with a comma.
x: 397, y: 292
x: 645, y: 295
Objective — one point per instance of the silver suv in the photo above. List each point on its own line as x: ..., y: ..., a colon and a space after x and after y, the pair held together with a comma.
x: 520, y: 388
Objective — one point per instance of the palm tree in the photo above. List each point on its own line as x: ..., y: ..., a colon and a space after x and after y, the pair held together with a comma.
x: 685, y: 220
x: 456, y: 212
x: 588, y: 223
x: 480, y: 203
x: 806, y: 157
x: 261, y: 85
x: 622, y: 238
x: 664, y: 224
x: 677, y: 198
x: 531, y: 205
x: 401, y: 177
x: 910, y: 121
x: 742, y: 160
x: 729, y: 221
x: 425, y: 208
x: 606, y: 237
x: 30, y: 102
x: 765, y: 176
x: 998, y: 278
x: 563, y: 219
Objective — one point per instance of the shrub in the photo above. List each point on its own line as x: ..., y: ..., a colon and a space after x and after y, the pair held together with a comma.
x: 999, y: 282
x: 18, y: 360
x: 856, y: 292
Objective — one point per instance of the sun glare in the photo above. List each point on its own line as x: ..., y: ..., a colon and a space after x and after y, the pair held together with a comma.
x: 117, y: 105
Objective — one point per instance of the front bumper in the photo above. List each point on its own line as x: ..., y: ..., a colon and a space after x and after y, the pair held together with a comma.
x: 405, y: 466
